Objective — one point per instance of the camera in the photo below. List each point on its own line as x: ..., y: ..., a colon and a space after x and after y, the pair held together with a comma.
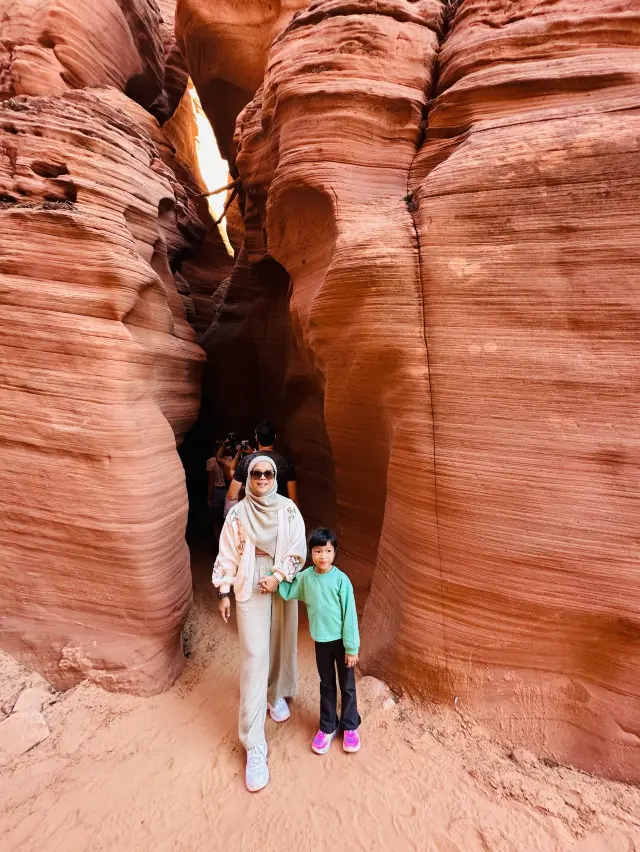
x: 245, y: 446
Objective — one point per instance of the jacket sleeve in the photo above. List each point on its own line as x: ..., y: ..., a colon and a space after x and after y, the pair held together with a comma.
x: 293, y: 591
x: 296, y: 554
x: 225, y: 567
x: 350, y: 633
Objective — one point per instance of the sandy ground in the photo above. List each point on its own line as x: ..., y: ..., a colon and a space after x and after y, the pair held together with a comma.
x: 167, y: 774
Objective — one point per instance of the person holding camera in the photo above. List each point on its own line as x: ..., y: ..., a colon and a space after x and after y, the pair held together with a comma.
x: 262, y: 541
x: 265, y: 436
x: 226, y: 455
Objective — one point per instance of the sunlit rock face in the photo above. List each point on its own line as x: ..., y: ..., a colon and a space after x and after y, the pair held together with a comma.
x: 102, y: 377
x: 226, y: 45
x: 50, y: 46
x: 455, y: 204
x: 101, y: 362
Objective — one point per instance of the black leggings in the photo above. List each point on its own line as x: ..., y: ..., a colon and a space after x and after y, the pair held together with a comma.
x: 328, y: 656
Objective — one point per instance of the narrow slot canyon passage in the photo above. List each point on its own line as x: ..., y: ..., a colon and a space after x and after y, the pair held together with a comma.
x: 406, y: 234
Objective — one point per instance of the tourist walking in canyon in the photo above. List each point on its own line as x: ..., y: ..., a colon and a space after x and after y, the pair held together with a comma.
x: 262, y: 544
x: 216, y: 492
x: 265, y: 435
x: 333, y: 624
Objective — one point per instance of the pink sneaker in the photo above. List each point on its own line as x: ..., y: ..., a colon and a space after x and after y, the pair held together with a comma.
x: 351, y: 741
x: 322, y: 742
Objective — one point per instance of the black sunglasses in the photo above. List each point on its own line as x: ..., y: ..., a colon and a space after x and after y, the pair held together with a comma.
x: 268, y: 474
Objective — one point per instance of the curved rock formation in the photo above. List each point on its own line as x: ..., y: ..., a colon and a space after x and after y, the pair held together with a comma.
x: 226, y: 45
x: 100, y: 364
x: 176, y: 75
x: 50, y: 46
x: 467, y: 305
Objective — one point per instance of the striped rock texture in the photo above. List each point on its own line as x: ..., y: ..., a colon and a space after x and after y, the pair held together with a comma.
x: 226, y: 44
x: 101, y: 365
x: 48, y: 47
x: 101, y: 377
x: 455, y: 200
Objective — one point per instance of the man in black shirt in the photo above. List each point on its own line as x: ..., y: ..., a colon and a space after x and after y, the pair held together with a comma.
x: 265, y: 439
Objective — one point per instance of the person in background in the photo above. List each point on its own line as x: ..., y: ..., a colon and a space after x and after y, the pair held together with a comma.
x: 244, y: 450
x: 226, y: 454
x: 265, y: 435
x: 333, y: 624
x: 262, y: 538
x: 216, y: 492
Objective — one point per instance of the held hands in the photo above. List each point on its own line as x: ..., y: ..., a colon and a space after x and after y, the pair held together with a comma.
x: 350, y: 660
x: 224, y: 608
x: 269, y: 584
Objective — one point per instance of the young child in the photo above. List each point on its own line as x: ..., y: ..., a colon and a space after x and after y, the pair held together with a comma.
x: 333, y: 623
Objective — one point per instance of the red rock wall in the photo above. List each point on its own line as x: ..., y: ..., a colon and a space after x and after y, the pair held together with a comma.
x: 226, y: 45
x: 525, y: 197
x: 468, y: 303
x: 102, y: 368
x: 47, y: 47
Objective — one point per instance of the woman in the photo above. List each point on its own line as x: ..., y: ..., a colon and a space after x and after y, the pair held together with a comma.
x: 216, y: 493
x: 262, y: 535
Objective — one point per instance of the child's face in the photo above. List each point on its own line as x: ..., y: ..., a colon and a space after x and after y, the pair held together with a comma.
x: 323, y: 556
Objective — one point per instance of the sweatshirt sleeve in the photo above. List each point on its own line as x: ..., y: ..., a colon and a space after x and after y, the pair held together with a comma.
x: 350, y: 633
x: 293, y: 591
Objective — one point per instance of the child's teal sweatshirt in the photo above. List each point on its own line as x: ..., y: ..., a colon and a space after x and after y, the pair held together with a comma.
x: 330, y: 603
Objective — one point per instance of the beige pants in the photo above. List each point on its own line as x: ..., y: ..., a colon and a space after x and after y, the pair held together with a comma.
x: 268, y: 634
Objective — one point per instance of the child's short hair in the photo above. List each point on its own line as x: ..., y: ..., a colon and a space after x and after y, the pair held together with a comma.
x: 321, y: 537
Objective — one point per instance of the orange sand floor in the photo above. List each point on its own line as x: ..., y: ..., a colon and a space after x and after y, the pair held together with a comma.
x: 165, y: 774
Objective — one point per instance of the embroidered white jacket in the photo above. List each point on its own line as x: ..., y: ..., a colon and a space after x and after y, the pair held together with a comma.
x: 235, y: 562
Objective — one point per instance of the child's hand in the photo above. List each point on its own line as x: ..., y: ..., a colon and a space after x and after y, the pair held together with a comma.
x: 351, y: 660
x: 269, y: 584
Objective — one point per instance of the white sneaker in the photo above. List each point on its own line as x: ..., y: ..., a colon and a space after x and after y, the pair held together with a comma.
x: 257, y: 771
x: 279, y: 711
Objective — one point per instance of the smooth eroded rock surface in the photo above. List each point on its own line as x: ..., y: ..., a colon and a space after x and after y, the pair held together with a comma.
x: 48, y: 47
x: 464, y: 288
x: 226, y: 45
x: 102, y: 376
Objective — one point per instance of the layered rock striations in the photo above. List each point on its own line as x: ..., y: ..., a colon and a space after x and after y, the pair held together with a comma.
x: 100, y: 364
x: 226, y: 45
x: 453, y: 200
x: 50, y: 46
x: 346, y: 134
x: 524, y: 197
x: 102, y: 368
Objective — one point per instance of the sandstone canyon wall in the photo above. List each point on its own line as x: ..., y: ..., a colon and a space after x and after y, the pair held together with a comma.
x: 226, y: 44
x: 453, y: 197
x: 101, y: 367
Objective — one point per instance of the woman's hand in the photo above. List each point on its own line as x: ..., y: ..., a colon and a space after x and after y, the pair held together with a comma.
x: 269, y: 584
x: 224, y: 608
x: 350, y: 660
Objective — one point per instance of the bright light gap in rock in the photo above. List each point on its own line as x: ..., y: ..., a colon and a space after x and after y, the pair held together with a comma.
x: 213, y: 169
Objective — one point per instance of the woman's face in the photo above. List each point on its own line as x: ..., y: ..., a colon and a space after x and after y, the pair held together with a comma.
x: 260, y: 484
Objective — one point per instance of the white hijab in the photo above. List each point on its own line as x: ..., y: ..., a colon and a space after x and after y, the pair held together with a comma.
x: 258, y: 513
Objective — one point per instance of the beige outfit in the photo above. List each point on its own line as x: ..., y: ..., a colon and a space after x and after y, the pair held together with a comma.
x: 235, y: 563
x: 268, y: 635
x: 267, y: 626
